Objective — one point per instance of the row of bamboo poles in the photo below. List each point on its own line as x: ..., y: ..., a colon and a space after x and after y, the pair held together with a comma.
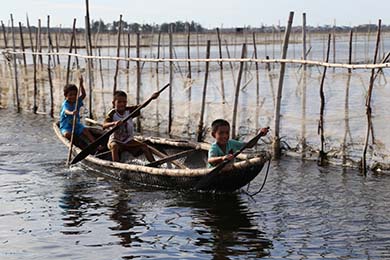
x: 53, y: 59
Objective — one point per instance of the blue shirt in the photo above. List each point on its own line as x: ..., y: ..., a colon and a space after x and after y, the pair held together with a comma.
x: 66, y: 121
x: 232, y: 146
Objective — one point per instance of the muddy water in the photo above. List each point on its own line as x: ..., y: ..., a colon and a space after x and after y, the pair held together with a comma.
x: 304, y: 212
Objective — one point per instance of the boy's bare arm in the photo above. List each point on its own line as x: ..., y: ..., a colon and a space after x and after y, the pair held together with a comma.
x: 111, y: 124
x: 263, y: 132
x: 82, y: 89
x: 70, y: 113
x: 217, y: 160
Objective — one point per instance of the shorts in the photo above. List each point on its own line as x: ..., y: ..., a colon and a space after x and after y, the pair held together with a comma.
x: 78, y: 129
x: 134, y: 147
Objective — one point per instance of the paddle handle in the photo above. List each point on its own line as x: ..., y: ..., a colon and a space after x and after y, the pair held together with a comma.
x: 131, y: 115
x: 84, y: 153
x: 73, y: 126
x: 247, y: 145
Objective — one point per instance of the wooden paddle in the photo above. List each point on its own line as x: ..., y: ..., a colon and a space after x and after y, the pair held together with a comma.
x: 171, y: 158
x: 74, y: 124
x: 92, y: 147
x: 206, y: 179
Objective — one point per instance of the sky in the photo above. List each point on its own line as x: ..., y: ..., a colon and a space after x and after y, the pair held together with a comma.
x: 209, y: 13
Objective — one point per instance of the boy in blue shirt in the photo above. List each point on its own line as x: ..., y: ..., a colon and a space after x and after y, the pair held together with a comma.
x: 68, y: 111
x: 223, y: 148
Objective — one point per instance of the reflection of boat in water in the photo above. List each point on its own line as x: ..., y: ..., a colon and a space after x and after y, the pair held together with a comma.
x: 224, y: 222
x: 189, y: 172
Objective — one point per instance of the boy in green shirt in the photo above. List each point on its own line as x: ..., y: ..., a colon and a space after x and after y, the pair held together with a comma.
x: 223, y: 148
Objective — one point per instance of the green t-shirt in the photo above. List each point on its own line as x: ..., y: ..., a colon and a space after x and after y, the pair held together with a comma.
x: 232, y: 146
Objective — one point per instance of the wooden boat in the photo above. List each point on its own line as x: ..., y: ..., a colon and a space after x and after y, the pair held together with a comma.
x: 185, y: 166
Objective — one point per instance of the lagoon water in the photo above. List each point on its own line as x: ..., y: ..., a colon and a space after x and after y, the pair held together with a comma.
x: 304, y: 212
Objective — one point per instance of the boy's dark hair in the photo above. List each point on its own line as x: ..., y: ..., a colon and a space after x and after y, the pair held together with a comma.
x: 68, y: 88
x: 218, y: 123
x: 119, y: 93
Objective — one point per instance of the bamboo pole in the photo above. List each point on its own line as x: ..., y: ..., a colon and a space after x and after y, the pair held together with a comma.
x: 189, y: 76
x: 49, y: 70
x: 170, y: 113
x: 230, y: 63
x: 257, y: 74
x: 39, y: 43
x: 4, y: 35
x: 22, y: 45
x: 158, y: 79
x: 15, y: 66
x: 304, y: 87
x: 25, y: 72
x: 34, y: 58
x: 278, y: 101
x: 88, y: 45
x: 304, y: 39
x: 57, y: 47
x: 237, y: 92
x: 368, y: 102
x: 128, y: 50
x: 118, y: 51
x: 334, y: 41
x: 138, y: 94
x: 350, y: 49
x: 322, y: 156
x: 72, y: 42
x: 88, y: 28
x: 200, y: 125
x: 346, y: 120
x: 221, y: 67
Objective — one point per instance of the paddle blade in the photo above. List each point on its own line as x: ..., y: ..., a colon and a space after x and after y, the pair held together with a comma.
x: 89, y: 149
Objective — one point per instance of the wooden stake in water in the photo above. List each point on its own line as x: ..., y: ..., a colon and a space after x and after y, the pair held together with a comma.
x: 304, y: 39
x: 88, y: 44
x: 72, y: 42
x: 200, y: 125
x: 237, y: 92
x: 170, y: 113
x: 278, y: 101
x: 15, y: 66
x: 257, y: 78
x: 221, y: 67
x: 322, y: 156
x: 350, y: 49
x: 118, y: 51
x: 49, y: 69
x: 4, y: 35
x: 189, y: 57
x: 368, y: 102
x: 138, y: 94
x: 34, y: 58
x: 25, y: 75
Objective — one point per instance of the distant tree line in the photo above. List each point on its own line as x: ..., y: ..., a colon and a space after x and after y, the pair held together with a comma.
x: 178, y: 26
